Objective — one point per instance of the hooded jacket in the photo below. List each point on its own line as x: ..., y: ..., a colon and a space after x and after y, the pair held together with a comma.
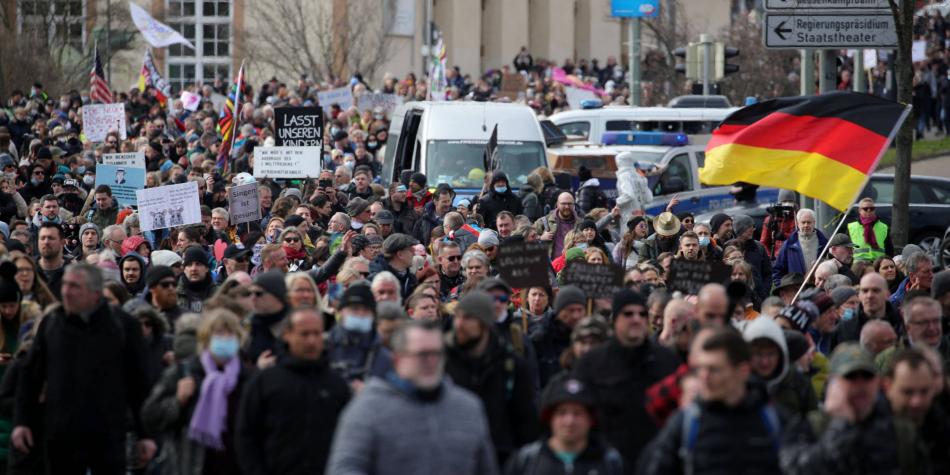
x: 191, y: 296
x: 493, y: 202
x: 589, y: 196
x: 135, y: 288
x: 633, y: 189
x: 790, y: 390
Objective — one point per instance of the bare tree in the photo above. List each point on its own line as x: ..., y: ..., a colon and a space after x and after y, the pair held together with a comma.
x: 904, y: 21
x: 762, y: 72
x: 305, y: 37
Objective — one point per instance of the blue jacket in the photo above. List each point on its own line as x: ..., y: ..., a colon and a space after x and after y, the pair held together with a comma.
x: 790, y: 257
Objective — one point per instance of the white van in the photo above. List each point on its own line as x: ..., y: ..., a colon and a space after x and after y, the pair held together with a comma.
x: 589, y: 125
x: 447, y: 141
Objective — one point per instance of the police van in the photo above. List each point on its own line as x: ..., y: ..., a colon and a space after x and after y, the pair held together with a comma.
x: 593, y: 121
x: 671, y: 152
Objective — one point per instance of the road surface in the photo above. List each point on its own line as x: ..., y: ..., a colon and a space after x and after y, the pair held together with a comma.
x: 939, y: 166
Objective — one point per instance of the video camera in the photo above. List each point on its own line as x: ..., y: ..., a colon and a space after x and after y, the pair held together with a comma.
x: 780, y: 211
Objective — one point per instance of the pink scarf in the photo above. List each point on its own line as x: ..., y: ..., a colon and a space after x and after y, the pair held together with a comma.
x: 869, y: 236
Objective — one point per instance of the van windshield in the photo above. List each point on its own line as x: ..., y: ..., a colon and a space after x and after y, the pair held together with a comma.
x: 461, y: 162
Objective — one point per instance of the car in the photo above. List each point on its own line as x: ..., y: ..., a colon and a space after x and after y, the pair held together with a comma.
x: 698, y: 101
x: 944, y: 259
x: 592, y: 124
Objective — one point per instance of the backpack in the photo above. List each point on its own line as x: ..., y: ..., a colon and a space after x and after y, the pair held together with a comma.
x: 690, y: 431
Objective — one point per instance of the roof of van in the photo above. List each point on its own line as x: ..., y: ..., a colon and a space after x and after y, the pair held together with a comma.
x: 644, y: 113
x: 469, y: 120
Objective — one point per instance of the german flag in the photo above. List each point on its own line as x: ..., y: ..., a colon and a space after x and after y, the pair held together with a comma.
x: 821, y: 146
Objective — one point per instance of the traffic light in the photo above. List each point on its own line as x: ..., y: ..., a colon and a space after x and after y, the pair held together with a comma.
x: 692, y: 61
x: 722, y: 54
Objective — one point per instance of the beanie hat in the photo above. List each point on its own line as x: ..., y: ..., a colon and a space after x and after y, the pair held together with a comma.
x: 155, y: 275
x: 786, y: 195
x: 940, y: 285
x: 566, y: 391
x: 9, y: 289
x: 583, y: 174
x: 419, y: 179
x: 88, y: 226
x: 359, y: 243
x: 800, y: 314
x: 574, y: 254
x: 796, y: 343
x: 841, y: 294
x: 163, y: 257
x: 627, y: 297
x: 741, y: 223
x: 359, y: 294
x: 569, y: 295
x: 716, y: 222
x: 478, y: 304
x: 194, y: 254
x: 293, y: 220
x: 488, y: 238
x: 823, y: 301
x: 273, y: 283
x: 587, y: 224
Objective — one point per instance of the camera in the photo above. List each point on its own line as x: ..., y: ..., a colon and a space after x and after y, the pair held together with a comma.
x: 778, y: 211
x: 326, y: 183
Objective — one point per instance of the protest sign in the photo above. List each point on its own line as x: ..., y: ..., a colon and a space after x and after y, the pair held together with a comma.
x: 124, y: 181
x: 918, y: 51
x: 576, y: 95
x: 342, y: 96
x: 596, y: 280
x: 169, y: 206
x: 244, y: 204
x: 287, y: 162
x: 512, y: 84
x: 132, y: 160
x: 99, y: 119
x: 298, y: 127
x: 524, y: 264
x: 190, y: 101
x: 387, y: 102
x: 690, y: 276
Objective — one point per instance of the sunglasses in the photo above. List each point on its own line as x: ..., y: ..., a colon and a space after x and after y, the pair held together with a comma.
x: 453, y: 258
x: 633, y: 313
x: 166, y: 284
x: 501, y: 298
x: 872, y: 208
x: 39, y: 173
x: 859, y: 375
x: 146, y: 323
x: 291, y: 240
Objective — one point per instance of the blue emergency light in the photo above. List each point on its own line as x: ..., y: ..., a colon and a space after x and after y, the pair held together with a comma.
x: 592, y: 104
x: 672, y: 139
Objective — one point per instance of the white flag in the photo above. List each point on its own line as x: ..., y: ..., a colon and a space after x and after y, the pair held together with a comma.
x: 155, y: 32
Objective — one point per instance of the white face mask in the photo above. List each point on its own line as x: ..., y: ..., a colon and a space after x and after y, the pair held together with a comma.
x: 357, y: 323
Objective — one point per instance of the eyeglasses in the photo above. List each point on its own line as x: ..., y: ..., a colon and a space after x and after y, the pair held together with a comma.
x: 566, y: 204
x: 633, y: 313
x: 925, y: 323
x: 862, y: 375
x: 501, y: 298
x: 868, y: 209
x: 291, y: 240
x: 166, y: 284
x: 453, y: 258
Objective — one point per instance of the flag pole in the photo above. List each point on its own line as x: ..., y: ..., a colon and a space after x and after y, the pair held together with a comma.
x: 236, y: 120
x: 844, y: 213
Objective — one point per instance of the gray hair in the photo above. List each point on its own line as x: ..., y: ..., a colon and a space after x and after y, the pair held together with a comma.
x: 93, y: 278
x: 836, y: 281
x: 870, y: 329
x: 474, y: 254
x: 452, y: 221
x: 383, y: 277
x: 910, y: 307
x: 913, y: 262
x: 802, y: 212
x: 390, y: 311
x: 399, y: 341
x: 826, y: 269
x: 345, y: 217
x: 110, y: 229
x: 221, y: 212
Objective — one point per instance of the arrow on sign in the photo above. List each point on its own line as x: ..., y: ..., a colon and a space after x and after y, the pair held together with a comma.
x: 779, y: 30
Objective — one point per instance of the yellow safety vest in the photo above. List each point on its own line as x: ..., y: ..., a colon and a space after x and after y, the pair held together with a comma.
x: 863, y: 251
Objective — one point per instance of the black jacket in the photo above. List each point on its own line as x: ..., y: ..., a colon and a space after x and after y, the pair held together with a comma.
x: 537, y: 458
x: 619, y: 377
x: 493, y: 202
x: 405, y: 216
x: 850, y: 330
x: 423, y: 226
x: 758, y: 257
x: 501, y: 380
x: 262, y: 338
x: 550, y: 342
x: 287, y: 418
x: 191, y: 296
x: 91, y: 372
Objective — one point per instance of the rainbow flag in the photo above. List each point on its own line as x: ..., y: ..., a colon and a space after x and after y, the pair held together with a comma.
x: 227, y: 121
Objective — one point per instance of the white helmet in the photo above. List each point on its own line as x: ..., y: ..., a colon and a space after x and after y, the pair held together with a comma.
x: 243, y: 178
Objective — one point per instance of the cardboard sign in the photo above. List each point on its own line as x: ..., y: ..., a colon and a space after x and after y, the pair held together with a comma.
x: 524, y: 264
x: 387, y: 102
x: 123, y: 181
x: 169, y: 206
x: 244, y: 204
x: 100, y: 119
x: 513, y: 85
x: 298, y: 127
x: 131, y: 160
x: 596, y: 280
x: 287, y: 162
x: 690, y: 276
x: 342, y: 96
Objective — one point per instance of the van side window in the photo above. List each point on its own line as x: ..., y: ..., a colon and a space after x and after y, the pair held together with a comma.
x: 576, y: 129
x: 677, y: 178
x: 619, y: 126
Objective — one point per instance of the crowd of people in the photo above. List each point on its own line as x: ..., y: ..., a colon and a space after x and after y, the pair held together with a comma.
x: 366, y: 327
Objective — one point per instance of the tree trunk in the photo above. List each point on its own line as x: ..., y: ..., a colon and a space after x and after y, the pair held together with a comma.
x: 904, y: 71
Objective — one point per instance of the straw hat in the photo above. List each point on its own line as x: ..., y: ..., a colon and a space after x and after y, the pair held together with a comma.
x: 666, y: 224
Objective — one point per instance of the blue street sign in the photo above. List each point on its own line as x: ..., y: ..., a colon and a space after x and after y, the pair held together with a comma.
x: 634, y: 8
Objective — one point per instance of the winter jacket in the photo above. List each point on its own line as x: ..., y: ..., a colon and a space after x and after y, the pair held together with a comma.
x: 103, y: 218
x: 500, y: 378
x: 652, y: 247
x: 791, y: 258
x: 348, y: 352
x: 405, y: 216
x: 789, y: 389
x: 619, y: 376
x: 287, y: 418
x: 785, y: 228
x: 550, y: 342
x: 850, y: 330
x: 264, y: 334
x: 493, y: 202
x: 423, y: 227
x: 391, y: 430
x: 758, y: 258
x: 163, y: 414
x: 351, y: 192
x: 531, y: 204
x: 538, y: 458
x: 727, y: 439
x: 407, y: 280
x: 590, y: 196
x: 553, y: 222
x: 414, y: 200
x: 191, y: 296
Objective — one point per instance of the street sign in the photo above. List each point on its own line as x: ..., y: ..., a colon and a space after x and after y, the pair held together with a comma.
x: 634, y: 8
x: 830, y: 30
x: 848, y: 5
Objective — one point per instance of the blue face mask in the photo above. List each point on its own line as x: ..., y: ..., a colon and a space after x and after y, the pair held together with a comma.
x: 357, y: 324
x: 81, y: 170
x: 848, y: 314
x: 501, y: 189
x: 582, y: 245
x: 223, y: 347
x: 704, y: 241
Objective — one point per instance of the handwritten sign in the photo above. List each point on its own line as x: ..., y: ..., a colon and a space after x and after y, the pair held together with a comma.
x: 132, y: 160
x: 342, y: 96
x: 123, y: 181
x: 100, y: 119
x: 190, y: 101
x: 387, y: 102
x: 244, y: 204
x: 596, y: 280
x: 298, y: 127
x: 524, y: 264
x: 690, y: 276
x: 169, y: 206
x: 287, y: 162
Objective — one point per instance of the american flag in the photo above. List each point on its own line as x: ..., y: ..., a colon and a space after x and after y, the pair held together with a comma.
x: 226, y: 121
x: 99, y: 90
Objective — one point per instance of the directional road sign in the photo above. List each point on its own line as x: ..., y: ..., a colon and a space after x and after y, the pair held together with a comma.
x: 848, y: 5
x: 830, y: 30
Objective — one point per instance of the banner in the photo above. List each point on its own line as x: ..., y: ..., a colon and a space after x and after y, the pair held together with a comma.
x: 690, y: 276
x: 596, y: 280
x: 524, y: 264
x: 298, y: 127
x: 123, y: 181
x: 370, y: 101
x: 342, y: 96
x: 158, y: 34
x: 149, y: 77
x: 169, y: 206
x: 99, y: 119
x: 190, y: 101
x: 131, y: 160
x: 244, y: 203
x: 287, y: 162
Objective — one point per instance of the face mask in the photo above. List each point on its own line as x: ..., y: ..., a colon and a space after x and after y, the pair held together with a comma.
x: 334, y: 130
x: 34, y: 181
x: 81, y: 169
x: 704, y: 241
x: 848, y: 314
x: 349, y: 165
x: 223, y: 347
x: 357, y: 324
x: 356, y: 225
x: 501, y: 189
x: 371, y: 144
x: 582, y: 245
x: 89, y: 180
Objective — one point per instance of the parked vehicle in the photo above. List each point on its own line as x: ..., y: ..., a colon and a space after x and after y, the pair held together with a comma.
x: 589, y: 125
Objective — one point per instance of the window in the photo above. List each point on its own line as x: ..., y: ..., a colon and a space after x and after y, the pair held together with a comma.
x: 208, y: 26
x: 678, y: 177
x: 619, y: 126
x: 883, y: 192
x: 941, y: 194
x: 576, y: 129
x: 63, y: 22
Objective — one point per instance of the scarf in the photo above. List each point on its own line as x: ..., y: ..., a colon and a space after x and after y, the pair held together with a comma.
x: 295, y: 255
x: 809, y: 245
x: 869, y: 236
x: 211, y: 411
